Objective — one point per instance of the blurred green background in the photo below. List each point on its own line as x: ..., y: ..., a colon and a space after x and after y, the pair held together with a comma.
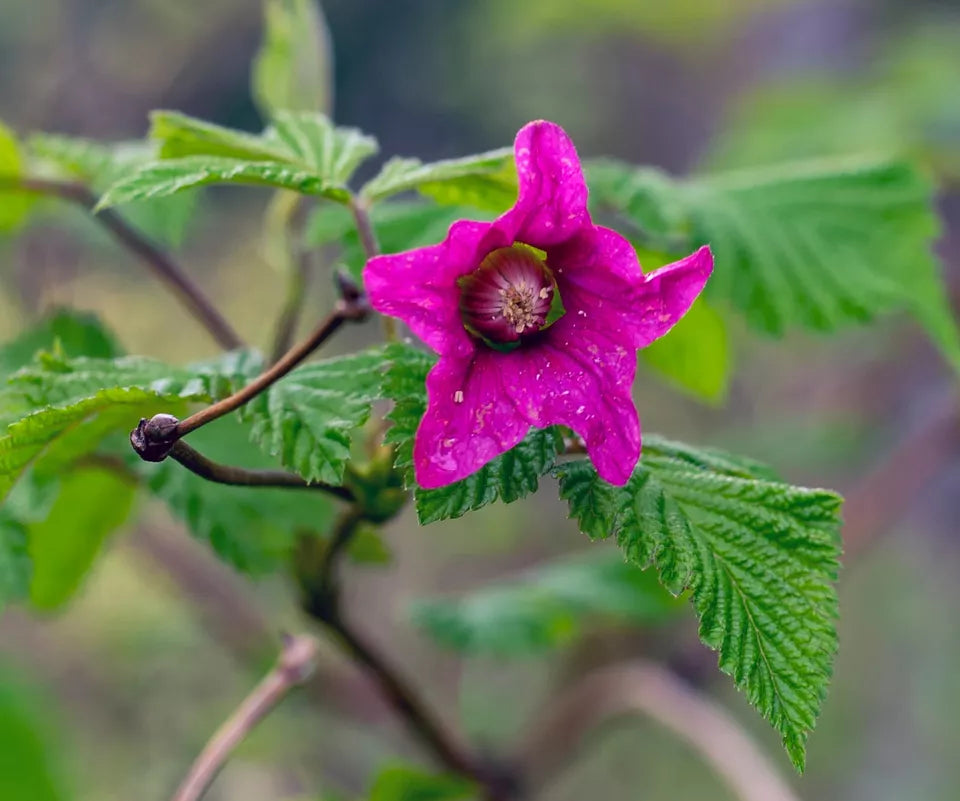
x: 114, y: 697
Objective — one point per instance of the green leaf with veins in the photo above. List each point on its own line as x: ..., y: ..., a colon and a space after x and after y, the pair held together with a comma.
x: 758, y: 556
x: 816, y: 245
x: 547, y: 606
x: 253, y: 531
x: 511, y: 476
x: 179, y: 135
x: 309, y: 418
x: 485, y: 180
x: 91, y: 504
x: 292, y: 70
x: 300, y: 151
x: 75, y: 404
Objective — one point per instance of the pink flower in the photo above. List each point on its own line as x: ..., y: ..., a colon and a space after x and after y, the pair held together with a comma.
x: 484, y: 300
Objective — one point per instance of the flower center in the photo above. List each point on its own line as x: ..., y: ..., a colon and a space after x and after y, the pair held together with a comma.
x: 508, y: 296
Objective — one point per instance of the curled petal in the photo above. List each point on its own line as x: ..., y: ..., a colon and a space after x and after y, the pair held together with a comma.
x: 420, y: 286
x: 666, y: 294
x: 469, y: 420
x: 552, y: 202
x: 604, y: 289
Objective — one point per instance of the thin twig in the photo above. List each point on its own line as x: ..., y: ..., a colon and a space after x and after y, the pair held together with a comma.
x: 297, y: 285
x: 351, y: 307
x: 647, y: 688
x: 319, y: 584
x: 206, y: 468
x: 294, y: 667
x: 361, y: 217
x: 159, y: 262
x: 300, y: 261
x: 368, y: 240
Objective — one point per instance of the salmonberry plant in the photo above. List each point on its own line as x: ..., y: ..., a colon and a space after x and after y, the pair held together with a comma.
x: 509, y: 297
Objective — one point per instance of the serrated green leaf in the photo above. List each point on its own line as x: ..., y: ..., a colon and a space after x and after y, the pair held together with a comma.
x: 511, y: 476
x: 163, y: 178
x: 508, y: 478
x: 759, y: 558
x: 14, y: 206
x: 180, y: 135
x: 333, y: 153
x: 400, y: 783
x: 546, y: 607
x: 695, y: 355
x: 99, y: 165
x: 91, y: 504
x: 816, y: 245
x: 308, y: 419
x: 300, y: 151
x: 292, y: 69
x: 77, y: 403
x: 484, y: 181
x: 253, y: 531
x: 400, y: 225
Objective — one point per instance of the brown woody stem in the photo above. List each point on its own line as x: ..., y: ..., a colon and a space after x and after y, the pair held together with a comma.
x: 294, y: 667
x: 320, y: 589
x: 160, y: 262
x: 218, y: 473
x: 351, y: 307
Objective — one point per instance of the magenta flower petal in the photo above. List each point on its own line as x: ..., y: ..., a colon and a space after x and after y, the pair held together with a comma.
x: 585, y: 386
x: 420, y: 286
x: 667, y: 293
x: 470, y: 420
x: 552, y: 202
x: 505, y: 365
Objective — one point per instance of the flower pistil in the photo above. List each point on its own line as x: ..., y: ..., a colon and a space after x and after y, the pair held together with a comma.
x: 508, y: 296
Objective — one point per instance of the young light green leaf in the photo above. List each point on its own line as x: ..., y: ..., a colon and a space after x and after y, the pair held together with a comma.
x: 180, y: 135
x: 14, y: 206
x: 815, y: 245
x: 695, y: 355
x: 759, y: 558
x: 484, y: 181
x: 546, y: 607
x: 308, y: 419
x: 163, y: 178
x: 300, y: 152
x: 511, y: 476
x: 400, y: 783
x: 90, y: 505
x: 312, y: 140
x: 293, y: 67
x: 251, y: 531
